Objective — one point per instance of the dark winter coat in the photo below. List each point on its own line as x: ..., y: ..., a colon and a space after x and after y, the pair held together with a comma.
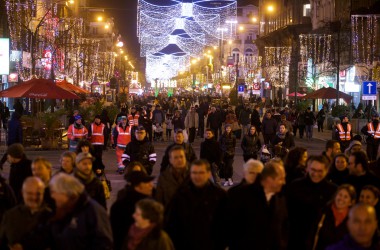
x: 321, y: 116
x: 360, y: 181
x: 168, y: 185
x: 214, y: 120
x: 269, y: 126
x: 156, y: 240
x: 294, y: 173
x: 19, y: 225
x: 329, y: 233
x: 189, y: 152
x: 251, y: 144
x: 211, y: 151
x: 337, y: 177
x: 349, y: 244
x: 143, y: 152
x: 86, y: 227
x: 121, y: 215
x: 309, y: 118
x: 255, y: 223
x: 18, y: 173
x: 244, y: 116
x: 94, y: 188
x: 14, y: 130
x: 255, y: 120
x: 287, y: 142
x: 178, y: 123
x: 7, y: 197
x: 228, y: 144
x: 305, y: 201
x: 195, y: 218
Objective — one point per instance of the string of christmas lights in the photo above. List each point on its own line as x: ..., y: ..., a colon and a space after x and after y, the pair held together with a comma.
x: 277, y: 60
x: 189, y: 25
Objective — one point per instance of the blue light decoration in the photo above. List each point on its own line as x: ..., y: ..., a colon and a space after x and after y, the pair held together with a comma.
x: 172, y: 33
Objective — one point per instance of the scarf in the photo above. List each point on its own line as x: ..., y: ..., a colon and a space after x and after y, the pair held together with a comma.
x: 339, y: 216
x: 136, y: 235
x: 281, y: 136
x: 85, y: 178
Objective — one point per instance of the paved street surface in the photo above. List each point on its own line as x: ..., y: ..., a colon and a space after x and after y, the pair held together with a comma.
x: 316, y: 146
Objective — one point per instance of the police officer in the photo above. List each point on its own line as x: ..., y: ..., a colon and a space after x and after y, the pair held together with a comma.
x: 140, y: 150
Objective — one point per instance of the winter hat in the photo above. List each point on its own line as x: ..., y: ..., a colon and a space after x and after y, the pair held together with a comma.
x: 77, y: 117
x: 16, y: 150
x: 81, y: 156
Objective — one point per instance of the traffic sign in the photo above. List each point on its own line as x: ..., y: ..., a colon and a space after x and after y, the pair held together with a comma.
x: 241, y: 88
x: 369, y: 88
x: 369, y: 97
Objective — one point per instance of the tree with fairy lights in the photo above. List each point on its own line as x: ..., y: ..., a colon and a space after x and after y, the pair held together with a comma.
x: 316, y: 58
x: 277, y: 60
x: 365, y: 45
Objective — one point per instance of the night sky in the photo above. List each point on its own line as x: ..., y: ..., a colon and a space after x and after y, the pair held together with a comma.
x: 125, y: 13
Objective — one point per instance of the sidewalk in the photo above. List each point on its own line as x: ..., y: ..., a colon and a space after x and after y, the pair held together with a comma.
x: 323, y: 136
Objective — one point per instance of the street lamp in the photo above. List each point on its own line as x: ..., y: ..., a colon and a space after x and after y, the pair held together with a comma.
x: 100, y: 18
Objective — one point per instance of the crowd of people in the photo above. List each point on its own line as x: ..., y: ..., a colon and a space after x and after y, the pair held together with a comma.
x: 287, y: 198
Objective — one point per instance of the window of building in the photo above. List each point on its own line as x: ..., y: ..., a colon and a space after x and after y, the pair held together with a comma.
x: 306, y: 9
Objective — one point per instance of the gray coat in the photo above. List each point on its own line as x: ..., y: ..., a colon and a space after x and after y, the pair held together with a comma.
x: 192, y: 120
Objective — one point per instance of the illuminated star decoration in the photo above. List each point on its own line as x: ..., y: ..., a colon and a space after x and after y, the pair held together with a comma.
x: 170, y: 34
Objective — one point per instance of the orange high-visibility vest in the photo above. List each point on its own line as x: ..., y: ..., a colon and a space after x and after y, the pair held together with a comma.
x: 133, y: 121
x: 124, y: 136
x: 97, y: 136
x: 73, y: 133
x: 343, y: 135
x: 370, y: 130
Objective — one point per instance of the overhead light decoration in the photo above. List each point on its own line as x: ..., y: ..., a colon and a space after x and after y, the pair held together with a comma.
x: 169, y: 35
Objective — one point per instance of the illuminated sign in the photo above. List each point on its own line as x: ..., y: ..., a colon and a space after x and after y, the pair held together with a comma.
x: 4, y: 56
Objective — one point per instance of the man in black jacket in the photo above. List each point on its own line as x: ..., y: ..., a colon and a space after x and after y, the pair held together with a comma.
x: 211, y: 151
x: 20, y: 224
x: 140, y: 150
x: 258, y: 214
x: 20, y: 168
x: 141, y: 187
x: 84, y: 173
x: 360, y: 175
x: 195, y: 216
x: 214, y: 121
x: 269, y: 128
x: 306, y: 197
x: 178, y: 141
x: 255, y: 118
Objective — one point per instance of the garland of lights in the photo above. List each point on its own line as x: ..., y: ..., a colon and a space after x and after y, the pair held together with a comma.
x: 189, y: 25
x: 364, y: 38
x: 277, y: 60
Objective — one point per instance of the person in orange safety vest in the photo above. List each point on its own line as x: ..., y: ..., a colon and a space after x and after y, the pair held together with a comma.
x: 372, y: 131
x: 344, y: 133
x: 121, y: 137
x: 96, y: 137
x: 76, y: 132
x: 133, y: 121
